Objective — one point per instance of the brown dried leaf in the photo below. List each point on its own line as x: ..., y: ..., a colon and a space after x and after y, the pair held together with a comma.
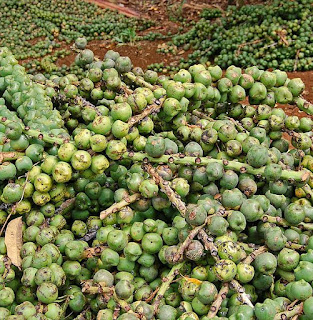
x: 14, y: 241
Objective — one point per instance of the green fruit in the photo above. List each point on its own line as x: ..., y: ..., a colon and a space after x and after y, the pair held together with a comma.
x: 257, y: 156
x: 301, y: 290
x: 6, y: 297
x: 225, y: 270
x: 245, y: 272
x: 12, y: 193
x: 265, y: 263
x: 47, y: 292
x: 62, y: 172
x: 117, y: 240
x: 155, y: 146
x: 288, y: 259
x: 151, y: 243
x: 252, y: 210
x: 196, y: 215
x: 304, y: 271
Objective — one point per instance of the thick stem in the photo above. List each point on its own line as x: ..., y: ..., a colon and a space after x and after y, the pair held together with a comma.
x: 304, y: 105
x: 156, y: 106
x: 277, y: 220
x: 10, y: 155
x: 299, y: 176
x: 295, y: 246
x: 66, y: 205
x: 241, y: 291
x: 165, y: 187
x: 308, y: 192
x: 96, y: 288
x: 248, y: 247
x: 44, y: 136
x: 90, y: 235
x: 209, y: 244
x: 297, y: 310
x: 86, y: 103
x: 218, y: 301
x: 202, y: 115
x: 166, y: 283
x: 251, y: 257
x: 119, y: 205
x: 139, y: 81
x: 125, y: 306
x: 306, y: 226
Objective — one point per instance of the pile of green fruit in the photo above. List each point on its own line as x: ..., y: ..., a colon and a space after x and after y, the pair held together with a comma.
x: 273, y: 35
x: 128, y: 195
x: 33, y: 29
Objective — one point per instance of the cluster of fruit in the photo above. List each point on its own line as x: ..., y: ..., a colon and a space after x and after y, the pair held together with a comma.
x: 127, y: 195
x: 273, y: 35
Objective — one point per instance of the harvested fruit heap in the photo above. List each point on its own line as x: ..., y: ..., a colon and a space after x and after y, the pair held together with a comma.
x: 274, y: 35
x: 33, y: 29
x: 129, y: 195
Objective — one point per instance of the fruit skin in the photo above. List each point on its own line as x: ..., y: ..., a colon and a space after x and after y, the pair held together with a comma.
x: 304, y: 271
x: 225, y: 270
x: 294, y: 214
x: 308, y: 306
x: 245, y: 273
x: 155, y: 146
x: 265, y: 263
x: 11, y: 193
x: 300, y: 290
x: 257, y: 156
x: 265, y: 310
x: 288, y: 259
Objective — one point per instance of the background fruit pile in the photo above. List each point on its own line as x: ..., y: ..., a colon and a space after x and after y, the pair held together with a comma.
x: 277, y: 34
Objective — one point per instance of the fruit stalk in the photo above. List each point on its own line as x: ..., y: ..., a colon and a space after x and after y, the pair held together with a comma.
x: 298, y: 176
x: 208, y: 244
x: 218, y: 301
x: 251, y: 257
x: 289, y: 313
x: 119, y: 205
x: 44, y: 136
x: 8, y: 156
x: 166, y: 282
x: 37, y: 134
x: 64, y: 206
x: 92, y: 252
x: 164, y: 185
x: 155, y: 107
x: 96, y: 288
x: 139, y: 81
x: 241, y: 291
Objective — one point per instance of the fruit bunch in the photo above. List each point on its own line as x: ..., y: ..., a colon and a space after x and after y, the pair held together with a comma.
x: 126, y: 195
x: 273, y: 35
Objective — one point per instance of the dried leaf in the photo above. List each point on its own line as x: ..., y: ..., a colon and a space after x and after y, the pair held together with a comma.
x: 193, y: 280
x: 14, y: 241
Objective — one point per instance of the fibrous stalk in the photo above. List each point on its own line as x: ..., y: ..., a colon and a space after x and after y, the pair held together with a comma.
x: 218, y: 301
x: 173, y: 196
x: 119, y: 205
x: 166, y: 283
x: 291, y: 175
